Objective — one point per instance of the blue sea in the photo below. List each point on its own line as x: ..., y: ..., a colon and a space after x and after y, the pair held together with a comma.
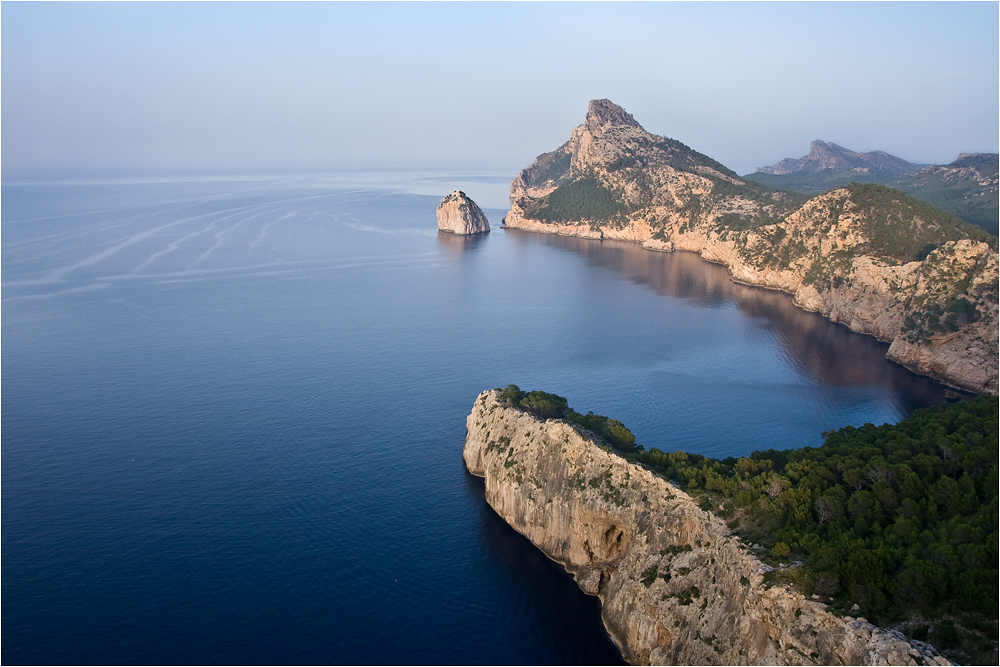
x: 233, y: 412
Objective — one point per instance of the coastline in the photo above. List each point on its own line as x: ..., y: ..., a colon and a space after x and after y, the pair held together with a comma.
x: 965, y: 362
x: 675, y: 586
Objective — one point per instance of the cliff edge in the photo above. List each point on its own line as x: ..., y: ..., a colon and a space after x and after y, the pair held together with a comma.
x: 675, y: 587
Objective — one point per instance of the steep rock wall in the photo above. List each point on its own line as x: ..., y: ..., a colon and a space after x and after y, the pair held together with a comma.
x: 675, y: 587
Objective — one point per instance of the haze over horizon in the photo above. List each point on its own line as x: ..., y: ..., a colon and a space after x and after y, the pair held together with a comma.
x: 191, y: 87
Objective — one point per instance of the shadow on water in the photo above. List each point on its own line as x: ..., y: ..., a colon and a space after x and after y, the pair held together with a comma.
x: 570, y: 617
x: 828, y: 353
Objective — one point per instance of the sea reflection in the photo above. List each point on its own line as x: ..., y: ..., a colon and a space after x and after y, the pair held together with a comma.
x: 828, y: 353
x: 460, y: 242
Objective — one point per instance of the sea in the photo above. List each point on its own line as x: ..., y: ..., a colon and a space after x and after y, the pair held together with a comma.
x: 233, y: 412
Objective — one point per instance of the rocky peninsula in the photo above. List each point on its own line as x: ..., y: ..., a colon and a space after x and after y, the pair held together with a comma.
x: 675, y: 586
x: 458, y: 214
x: 863, y: 255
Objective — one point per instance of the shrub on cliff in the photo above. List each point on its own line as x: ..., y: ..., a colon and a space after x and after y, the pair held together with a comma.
x: 539, y: 403
x: 544, y: 405
x: 611, y: 431
x: 552, y: 406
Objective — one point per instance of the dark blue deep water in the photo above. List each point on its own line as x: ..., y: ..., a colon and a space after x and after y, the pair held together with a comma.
x: 233, y: 414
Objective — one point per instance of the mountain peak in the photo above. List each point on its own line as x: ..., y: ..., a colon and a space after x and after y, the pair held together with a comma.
x: 823, y: 155
x: 603, y: 113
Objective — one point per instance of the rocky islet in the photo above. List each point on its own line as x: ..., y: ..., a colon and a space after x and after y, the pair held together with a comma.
x: 458, y: 214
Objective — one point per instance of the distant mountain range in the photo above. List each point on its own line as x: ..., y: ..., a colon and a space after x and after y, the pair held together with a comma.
x: 967, y: 188
x: 831, y: 157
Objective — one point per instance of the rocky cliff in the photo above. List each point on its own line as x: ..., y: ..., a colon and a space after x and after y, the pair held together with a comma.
x: 864, y: 255
x: 675, y: 587
x: 458, y: 214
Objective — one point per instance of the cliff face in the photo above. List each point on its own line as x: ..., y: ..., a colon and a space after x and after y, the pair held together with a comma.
x: 460, y: 215
x: 865, y: 256
x: 675, y: 587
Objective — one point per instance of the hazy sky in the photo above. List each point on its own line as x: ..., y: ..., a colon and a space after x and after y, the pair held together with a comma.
x: 164, y: 87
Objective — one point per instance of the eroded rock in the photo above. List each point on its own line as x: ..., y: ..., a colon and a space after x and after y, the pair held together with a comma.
x: 460, y: 215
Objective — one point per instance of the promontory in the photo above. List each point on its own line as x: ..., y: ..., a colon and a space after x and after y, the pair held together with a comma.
x: 458, y: 214
x: 865, y: 255
x: 675, y: 586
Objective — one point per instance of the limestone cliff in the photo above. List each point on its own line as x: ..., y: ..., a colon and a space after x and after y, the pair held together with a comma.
x: 458, y: 214
x: 863, y: 255
x: 675, y: 587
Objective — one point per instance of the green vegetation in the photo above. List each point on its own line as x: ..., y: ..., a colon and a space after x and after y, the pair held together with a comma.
x: 772, y: 210
x: 550, y: 406
x: 964, y: 198
x: 586, y: 198
x: 539, y: 403
x: 896, y: 518
x: 687, y: 596
x: 900, y: 227
x: 683, y: 157
x: 897, y: 229
x: 610, y: 430
x: 900, y: 519
x: 936, y: 318
x: 814, y: 183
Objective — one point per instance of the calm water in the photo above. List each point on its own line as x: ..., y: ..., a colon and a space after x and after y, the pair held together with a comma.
x: 233, y: 414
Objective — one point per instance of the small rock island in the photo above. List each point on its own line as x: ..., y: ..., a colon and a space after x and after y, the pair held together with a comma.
x: 458, y: 214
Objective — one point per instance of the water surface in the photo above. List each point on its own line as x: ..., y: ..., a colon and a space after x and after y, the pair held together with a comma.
x: 233, y: 414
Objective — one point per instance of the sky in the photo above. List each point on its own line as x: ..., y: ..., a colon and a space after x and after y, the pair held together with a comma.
x: 151, y: 88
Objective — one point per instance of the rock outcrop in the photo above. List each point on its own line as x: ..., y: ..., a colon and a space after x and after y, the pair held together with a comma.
x: 675, y: 587
x: 863, y: 255
x: 460, y: 215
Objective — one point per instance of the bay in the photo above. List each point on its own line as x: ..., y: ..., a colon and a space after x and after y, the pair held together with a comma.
x: 233, y: 412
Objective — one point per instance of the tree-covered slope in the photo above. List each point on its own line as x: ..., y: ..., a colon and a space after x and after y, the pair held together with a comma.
x: 900, y: 520
x: 967, y: 188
